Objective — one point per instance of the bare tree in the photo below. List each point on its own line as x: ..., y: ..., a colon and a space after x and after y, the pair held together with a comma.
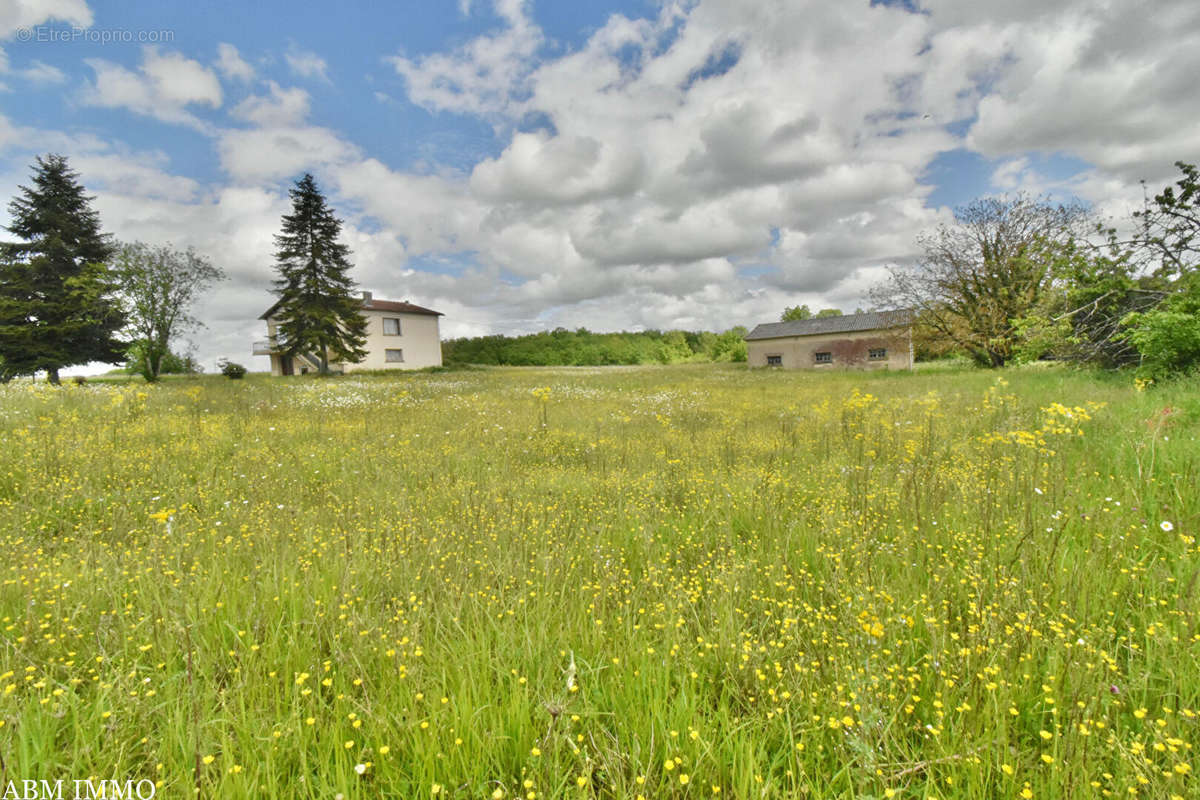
x: 980, y: 276
x: 1169, y: 227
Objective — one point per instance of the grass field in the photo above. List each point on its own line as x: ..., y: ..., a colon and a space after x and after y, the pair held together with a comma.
x: 668, y: 582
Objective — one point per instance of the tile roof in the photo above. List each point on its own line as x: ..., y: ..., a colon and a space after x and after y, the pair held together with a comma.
x: 847, y: 323
x: 402, y: 306
x: 398, y: 306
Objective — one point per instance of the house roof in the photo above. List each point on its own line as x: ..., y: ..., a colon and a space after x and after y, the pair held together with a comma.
x: 397, y: 306
x: 847, y: 323
x: 402, y: 306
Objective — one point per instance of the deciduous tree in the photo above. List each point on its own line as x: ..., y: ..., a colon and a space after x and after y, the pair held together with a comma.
x: 795, y: 313
x: 1169, y: 226
x: 1167, y: 336
x: 1127, y: 300
x: 160, y: 284
x: 983, y: 274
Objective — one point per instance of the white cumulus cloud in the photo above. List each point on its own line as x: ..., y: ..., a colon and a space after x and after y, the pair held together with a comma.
x: 164, y: 85
x: 231, y: 64
x: 306, y: 64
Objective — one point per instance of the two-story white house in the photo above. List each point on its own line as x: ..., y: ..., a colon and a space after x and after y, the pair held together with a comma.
x: 400, y: 335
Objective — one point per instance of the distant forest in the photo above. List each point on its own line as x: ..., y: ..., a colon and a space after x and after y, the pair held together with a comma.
x: 581, y: 347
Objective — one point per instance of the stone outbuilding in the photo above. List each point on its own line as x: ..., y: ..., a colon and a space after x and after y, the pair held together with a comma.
x: 874, y: 340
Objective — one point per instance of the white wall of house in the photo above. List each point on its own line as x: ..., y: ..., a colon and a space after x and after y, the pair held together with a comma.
x: 419, y: 342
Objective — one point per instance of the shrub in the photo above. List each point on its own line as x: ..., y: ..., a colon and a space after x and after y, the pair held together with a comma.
x: 171, y: 364
x: 1168, y: 338
x: 231, y: 370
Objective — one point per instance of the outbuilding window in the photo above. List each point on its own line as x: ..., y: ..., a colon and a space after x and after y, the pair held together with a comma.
x: 775, y: 361
x: 393, y: 356
x: 877, y: 353
x: 391, y: 326
x: 823, y: 358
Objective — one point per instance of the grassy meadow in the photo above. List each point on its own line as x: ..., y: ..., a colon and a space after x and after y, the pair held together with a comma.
x: 664, y: 582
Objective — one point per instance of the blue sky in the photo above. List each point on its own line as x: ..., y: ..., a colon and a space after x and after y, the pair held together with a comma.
x: 521, y: 165
x: 397, y: 132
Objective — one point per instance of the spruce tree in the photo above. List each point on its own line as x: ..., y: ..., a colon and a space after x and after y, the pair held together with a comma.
x: 318, y: 310
x: 57, y: 303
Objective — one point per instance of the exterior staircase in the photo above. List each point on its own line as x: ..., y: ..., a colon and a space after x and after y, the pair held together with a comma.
x: 309, y: 359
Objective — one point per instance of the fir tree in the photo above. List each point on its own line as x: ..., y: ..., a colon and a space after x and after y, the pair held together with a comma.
x: 57, y: 304
x: 318, y: 310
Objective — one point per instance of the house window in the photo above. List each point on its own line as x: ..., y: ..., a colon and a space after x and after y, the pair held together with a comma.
x: 823, y: 358
x: 391, y: 326
x: 877, y: 353
x: 393, y: 356
x: 774, y: 361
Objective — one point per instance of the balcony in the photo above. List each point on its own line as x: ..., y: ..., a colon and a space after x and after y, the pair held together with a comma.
x: 274, y: 343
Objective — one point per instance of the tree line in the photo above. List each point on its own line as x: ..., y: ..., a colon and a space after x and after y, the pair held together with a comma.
x: 581, y: 347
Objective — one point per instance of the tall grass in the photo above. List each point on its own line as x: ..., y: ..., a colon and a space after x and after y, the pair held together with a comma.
x: 665, y: 582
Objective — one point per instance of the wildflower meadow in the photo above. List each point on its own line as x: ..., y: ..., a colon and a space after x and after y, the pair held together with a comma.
x: 658, y: 582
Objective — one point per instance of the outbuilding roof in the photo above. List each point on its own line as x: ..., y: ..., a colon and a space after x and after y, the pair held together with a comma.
x: 847, y: 323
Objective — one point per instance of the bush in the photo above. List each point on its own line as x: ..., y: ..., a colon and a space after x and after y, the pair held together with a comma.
x: 1168, y: 338
x: 231, y: 370
x: 171, y: 364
